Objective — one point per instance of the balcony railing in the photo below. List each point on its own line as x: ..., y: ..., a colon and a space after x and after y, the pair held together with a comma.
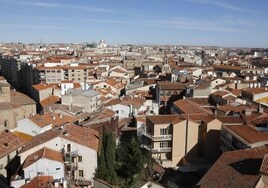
x: 71, y: 166
x: 157, y: 150
x: 70, y: 155
x: 226, y: 145
x: 157, y: 137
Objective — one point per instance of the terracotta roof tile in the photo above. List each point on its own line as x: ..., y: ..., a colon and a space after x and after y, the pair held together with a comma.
x: 81, y: 135
x: 247, y: 133
x: 43, y: 182
x: 40, y: 87
x: 190, y: 107
x: 264, y: 165
x: 231, y: 120
x: 43, y: 153
x: 255, y: 91
x: 9, y: 142
x: 164, y: 119
x: 20, y: 98
x: 171, y: 86
x: 235, y: 169
x: 51, y: 118
x: 49, y: 100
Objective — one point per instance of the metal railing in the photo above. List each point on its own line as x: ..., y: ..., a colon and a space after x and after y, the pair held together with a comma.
x: 157, y: 150
x: 157, y: 137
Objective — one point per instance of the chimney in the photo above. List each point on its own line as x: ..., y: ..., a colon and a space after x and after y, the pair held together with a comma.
x: 247, y: 112
x: 56, y: 183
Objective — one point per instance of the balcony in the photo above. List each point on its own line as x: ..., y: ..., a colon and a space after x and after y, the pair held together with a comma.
x: 70, y: 155
x: 157, y: 150
x: 158, y: 137
x: 71, y: 166
x: 225, y: 145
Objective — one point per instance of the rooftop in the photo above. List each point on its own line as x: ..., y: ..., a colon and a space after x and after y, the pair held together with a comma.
x: 247, y: 133
x: 235, y: 169
x: 9, y: 143
x: 81, y: 135
x: 43, y: 153
x: 164, y: 119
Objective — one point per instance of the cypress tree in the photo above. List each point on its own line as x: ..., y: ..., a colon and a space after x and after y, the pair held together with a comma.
x: 101, y: 171
x: 110, y: 158
x: 106, y: 159
x: 132, y: 159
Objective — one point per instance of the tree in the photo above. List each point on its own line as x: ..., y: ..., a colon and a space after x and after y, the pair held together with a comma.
x: 110, y: 158
x: 106, y: 159
x: 101, y: 171
x: 131, y: 159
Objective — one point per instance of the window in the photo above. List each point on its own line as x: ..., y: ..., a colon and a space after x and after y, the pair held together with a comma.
x: 163, y: 131
x: 81, y: 173
x: 68, y: 147
x: 163, y: 144
x: 58, y: 71
x: 79, y: 158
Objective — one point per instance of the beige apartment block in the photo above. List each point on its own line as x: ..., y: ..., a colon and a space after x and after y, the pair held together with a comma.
x: 173, y: 138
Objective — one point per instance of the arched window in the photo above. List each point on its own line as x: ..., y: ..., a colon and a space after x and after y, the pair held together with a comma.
x: 68, y: 147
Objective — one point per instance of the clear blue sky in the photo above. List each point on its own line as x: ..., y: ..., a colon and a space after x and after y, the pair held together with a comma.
x: 192, y: 22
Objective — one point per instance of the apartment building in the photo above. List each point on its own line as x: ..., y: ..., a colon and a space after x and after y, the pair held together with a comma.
x: 50, y: 75
x: 87, y: 99
x: 236, y: 137
x: 9, y: 69
x: 172, y: 138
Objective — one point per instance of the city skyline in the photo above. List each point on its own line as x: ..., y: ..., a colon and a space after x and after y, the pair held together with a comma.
x: 175, y: 22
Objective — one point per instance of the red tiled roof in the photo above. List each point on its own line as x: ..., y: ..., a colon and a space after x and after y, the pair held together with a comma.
x: 171, y: 86
x: 231, y: 120
x: 49, y: 100
x: 39, y: 87
x: 247, y: 133
x: 9, y: 142
x: 264, y: 165
x: 43, y: 182
x: 42, y: 153
x: 235, y: 169
x: 255, y: 91
x: 82, y: 135
x: 51, y: 118
x: 228, y: 67
x: 164, y: 119
x: 190, y: 107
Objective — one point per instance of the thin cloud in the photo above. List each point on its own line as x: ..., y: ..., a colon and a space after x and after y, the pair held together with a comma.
x: 40, y: 4
x: 222, y: 5
x: 58, y: 5
x: 192, y: 24
x: 176, y: 23
x: 34, y: 26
